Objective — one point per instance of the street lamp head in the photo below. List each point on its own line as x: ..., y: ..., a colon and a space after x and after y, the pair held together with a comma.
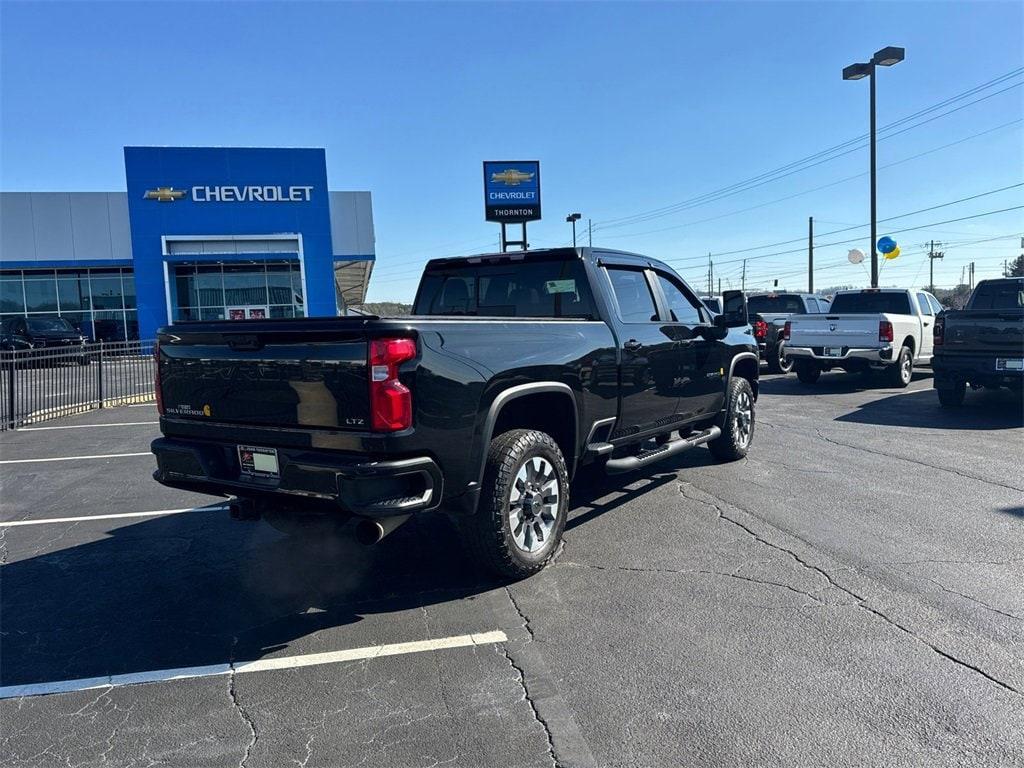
x: 856, y: 71
x: 574, y: 217
x: 888, y: 56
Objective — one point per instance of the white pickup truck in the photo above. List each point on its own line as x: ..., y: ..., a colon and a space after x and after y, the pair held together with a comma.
x: 885, y: 329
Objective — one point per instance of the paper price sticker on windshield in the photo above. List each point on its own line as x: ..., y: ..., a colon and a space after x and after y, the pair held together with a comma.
x: 560, y: 286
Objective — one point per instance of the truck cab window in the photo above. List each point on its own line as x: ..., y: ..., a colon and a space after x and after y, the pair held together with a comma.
x: 682, y: 307
x: 633, y: 295
x: 926, y: 307
x: 536, y: 288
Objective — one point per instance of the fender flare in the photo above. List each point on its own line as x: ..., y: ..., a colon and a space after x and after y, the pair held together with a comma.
x: 512, y: 393
x: 732, y: 365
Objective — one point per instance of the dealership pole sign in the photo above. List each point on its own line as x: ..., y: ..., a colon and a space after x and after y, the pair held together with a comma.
x: 512, y: 191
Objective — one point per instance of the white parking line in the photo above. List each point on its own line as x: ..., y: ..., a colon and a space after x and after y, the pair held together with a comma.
x: 113, y: 516
x: 76, y: 458
x: 261, y: 665
x: 89, y: 426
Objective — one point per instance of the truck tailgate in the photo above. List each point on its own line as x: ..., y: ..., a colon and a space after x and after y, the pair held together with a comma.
x: 994, y: 331
x: 860, y: 331
x: 280, y: 378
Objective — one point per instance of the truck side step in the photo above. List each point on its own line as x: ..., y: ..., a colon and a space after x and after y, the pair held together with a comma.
x: 642, y: 459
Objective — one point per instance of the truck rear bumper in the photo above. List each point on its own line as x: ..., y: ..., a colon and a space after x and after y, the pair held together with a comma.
x: 950, y: 370
x: 352, y: 483
x: 870, y: 355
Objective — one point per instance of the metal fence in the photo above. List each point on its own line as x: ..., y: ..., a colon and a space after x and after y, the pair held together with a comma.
x: 50, y: 382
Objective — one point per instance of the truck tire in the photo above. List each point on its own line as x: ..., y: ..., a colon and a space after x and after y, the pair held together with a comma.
x: 902, y: 372
x: 737, y: 424
x: 524, y: 503
x: 777, y: 360
x: 807, y: 372
x: 952, y: 396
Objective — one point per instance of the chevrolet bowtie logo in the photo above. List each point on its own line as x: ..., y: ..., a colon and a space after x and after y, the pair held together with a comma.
x: 164, y: 194
x: 512, y: 177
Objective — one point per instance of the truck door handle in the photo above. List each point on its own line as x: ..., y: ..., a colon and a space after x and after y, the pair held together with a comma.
x: 632, y: 346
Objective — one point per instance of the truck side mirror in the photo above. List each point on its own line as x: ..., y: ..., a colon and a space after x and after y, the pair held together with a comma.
x: 734, y: 309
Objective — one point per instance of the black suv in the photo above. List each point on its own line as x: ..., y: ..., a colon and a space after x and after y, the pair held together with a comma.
x: 35, y: 334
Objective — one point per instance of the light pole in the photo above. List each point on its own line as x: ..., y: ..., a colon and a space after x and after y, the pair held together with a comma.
x: 572, y: 218
x: 883, y: 58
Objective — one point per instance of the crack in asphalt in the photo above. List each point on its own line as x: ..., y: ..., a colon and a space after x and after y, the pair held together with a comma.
x: 233, y: 695
x: 860, y: 600
x: 951, y: 470
x: 982, y: 603
x: 697, y: 571
x: 522, y: 681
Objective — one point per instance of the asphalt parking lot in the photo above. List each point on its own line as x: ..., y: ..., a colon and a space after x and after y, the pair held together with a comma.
x: 850, y: 594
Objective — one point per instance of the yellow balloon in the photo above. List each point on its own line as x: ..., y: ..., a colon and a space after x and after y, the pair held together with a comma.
x: 893, y: 253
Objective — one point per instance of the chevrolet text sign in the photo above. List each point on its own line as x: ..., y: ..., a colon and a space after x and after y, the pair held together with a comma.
x: 232, y: 194
x: 511, y: 191
x: 252, y: 194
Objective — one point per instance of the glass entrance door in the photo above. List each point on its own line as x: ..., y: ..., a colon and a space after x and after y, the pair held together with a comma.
x: 248, y: 313
x: 236, y: 291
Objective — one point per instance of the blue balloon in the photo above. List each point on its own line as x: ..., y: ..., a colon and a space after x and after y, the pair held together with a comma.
x: 886, y: 244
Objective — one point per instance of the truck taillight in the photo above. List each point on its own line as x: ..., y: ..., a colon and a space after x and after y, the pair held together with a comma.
x: 884, y: 330
x: 786, y: 330
x: 390, y: 400
x: 156, y: 379
x: 939, y: 331
x: 760, y: 329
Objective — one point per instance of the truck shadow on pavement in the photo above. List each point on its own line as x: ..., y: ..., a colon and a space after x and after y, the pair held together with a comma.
x: 198, y: 588
x: 833, y: 382
x: 987, y: 409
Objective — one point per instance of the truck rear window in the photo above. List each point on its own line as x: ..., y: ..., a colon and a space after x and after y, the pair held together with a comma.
x: 539, y: 288
x: 870, y: 303
x: 999, y: 294
x: 779, y: 304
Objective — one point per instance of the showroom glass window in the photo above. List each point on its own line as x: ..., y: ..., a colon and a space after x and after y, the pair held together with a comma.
x: 99, y: 302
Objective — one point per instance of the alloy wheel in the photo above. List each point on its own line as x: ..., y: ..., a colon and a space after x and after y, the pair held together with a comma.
x: 533, y: 504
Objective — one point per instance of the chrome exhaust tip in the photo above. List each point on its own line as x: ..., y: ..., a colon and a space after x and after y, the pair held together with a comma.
x: 369, y: 532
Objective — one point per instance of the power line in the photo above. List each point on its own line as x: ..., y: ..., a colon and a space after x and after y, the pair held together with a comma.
x: 855, y: 239
x: 792, y: 167
x: 857, y: 226
x: 770, y: 274
x: 813, y: 189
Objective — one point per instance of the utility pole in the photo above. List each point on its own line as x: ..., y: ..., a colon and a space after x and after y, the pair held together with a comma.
x: 711, y: 268
x: 590, y: 232
x: 972, y: 276
x: 932, y: 256
x: 743, y: 280
x: 810, y: 254
x: 961, y: 276
x: 719, y: 286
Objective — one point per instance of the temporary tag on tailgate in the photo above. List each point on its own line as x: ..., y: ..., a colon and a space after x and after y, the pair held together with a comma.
x: 258, y: 462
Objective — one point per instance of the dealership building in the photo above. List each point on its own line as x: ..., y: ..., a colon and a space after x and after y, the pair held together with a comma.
x: 202, y: 233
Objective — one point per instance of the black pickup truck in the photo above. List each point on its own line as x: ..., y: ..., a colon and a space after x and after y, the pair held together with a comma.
x: 982, y: 344
x: 769, y: 313
x: 513, y: 372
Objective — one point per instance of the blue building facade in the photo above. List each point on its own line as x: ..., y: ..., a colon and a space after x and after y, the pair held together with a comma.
x: 201, y: 233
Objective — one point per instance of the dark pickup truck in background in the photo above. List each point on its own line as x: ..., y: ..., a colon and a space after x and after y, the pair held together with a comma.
x: 768, y: 315
x: 981, y: 345
x: 514, y: 371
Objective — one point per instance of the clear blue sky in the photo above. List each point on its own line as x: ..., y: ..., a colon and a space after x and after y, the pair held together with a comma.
x: 629, y: 108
